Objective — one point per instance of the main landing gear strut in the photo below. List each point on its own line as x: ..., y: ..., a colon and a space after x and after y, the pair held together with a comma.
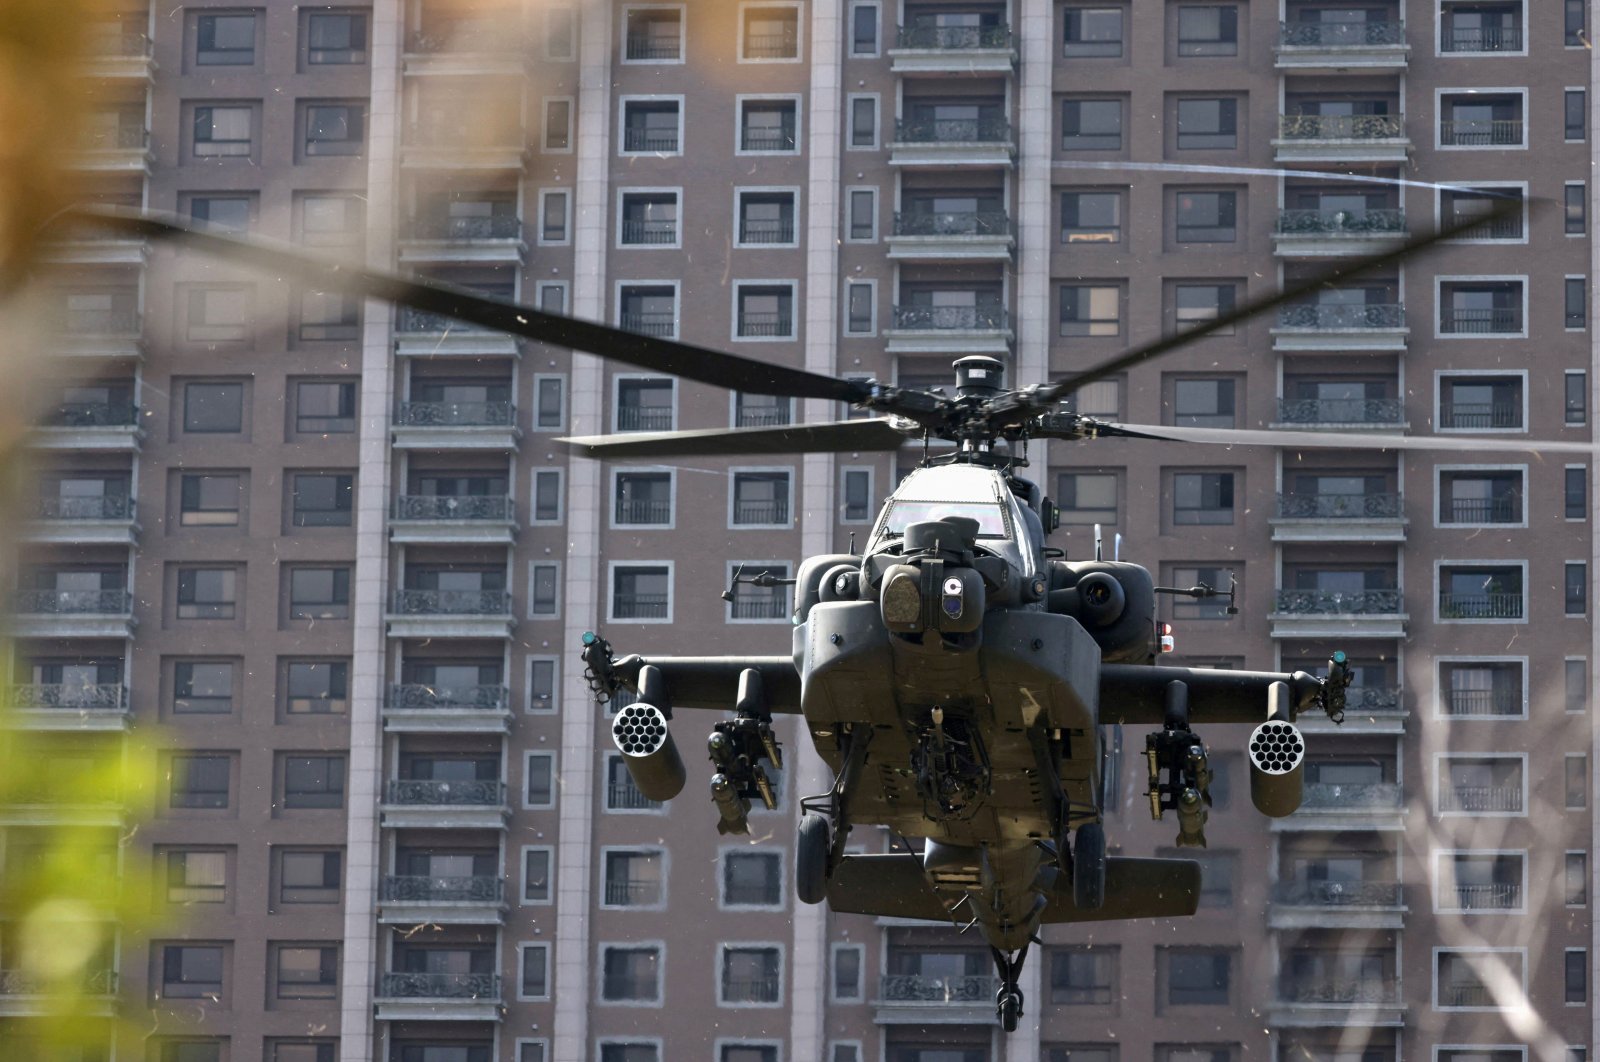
x: 1008, y: 999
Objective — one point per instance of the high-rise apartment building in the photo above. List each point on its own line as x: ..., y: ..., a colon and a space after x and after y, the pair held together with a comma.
x: 330, y: 549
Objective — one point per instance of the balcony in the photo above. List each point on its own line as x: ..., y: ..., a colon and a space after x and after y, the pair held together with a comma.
x: 41, y: 706
x: 767, y: 607
x: 73, y: 614
x: 498, y: 238
x: 1466, y: 994
x: 451, y: 614
x: 1340, y: 326
x: 447, y: 709
x: 104, y: 519
x: 489, y: 518
x: 1341, y: 138
x: 427, y: 804
x: 1483, y: 704
x: 1485, y: 605
x: 640, y: 606
x: 123, y: 150
x: 1328, y: 806
x: 1337, y: 1002
x: 918, y: 1000
x: 1480, y: 321
x: 1338, y: 614
x: 91, y: 244
x: 415, y: 900
x: 1368, y: 710
x: 1374, y: 517
x: 438, y: 997
x: 1337, y: 905
x: 467, y: 49
x: 1481, y: 896
x: 445, y: 143
x: 111, y: 333
x: 118, y: 54
x: 421, y: 333
x: 1481, y: 416
x: 944, y: 50
x: 1481, y: 132
x: 24, y: 994
x: 90, y: 427
x: 1330, y: 233
x: 1480, y: 799
x: 952, y: 142
x: 456, y: 426
x: 1369, y: 414
x: 1342, y: 47
x: 949, y: 330
x: 983, y: 236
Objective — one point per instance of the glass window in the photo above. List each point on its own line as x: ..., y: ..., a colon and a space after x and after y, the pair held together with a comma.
x: 1576, y: 203
x: 225, y: 213
x: 335, y: 128
x: 222, y: 131
x: 306, y: 876
x: 307, y: 972
x: 1208, y: 124
x: 206, y: 593
x: 202, y: 687
x: 1091, y: 125
x: 197, y: 876
x: 218, y: 315
x: 545, y: 598
x: 864, y: 29
x: 1203, y: 403
x: 847, y: 972
x: 313, y: 781
x: 547, y: 496
x: 863, y: 214
x: 534, y: 982
x: 541, y: 791
x: 1577, y: 682
x: 1086, y: 498
x: 1577, y: 299
x: 1198, y: 976
x: 1207, y: 217
x: 1092, y: 32
x: 336, y: 38
x: 1577, y: 588
x: 1091, y: 310
x: 1202, y: 498
x: 1575, y: 23
x: 864, y: 121
x: 191, y: 971
x: 1577, y: 781
x: 561, y: 36
x: 331, y: 219
x: 630, y: 974
x: 536, y: 876
x: 209, y: 500
x: 553, y: 214
x: 752, y: 879
x: 329, y: 315
x: 1195, y: 304
x: 225, y: 40
x: 200, y: 780
x: 1575, y: 113
x: 318, y: 688
x: 325, y: 407
x: 1577, y: 397
x: 1091, y: 217
x: 857, y: 491
x: 1208, y: 30
x: 1083, y: 976
x: 765, y: 311
x: 549, y: 406
x: 1576, y: 874
x: 301, y: 1051
x: 213, y: 407
x: 323, y: 500
x: 1576, y: 978
x: 751, y: 975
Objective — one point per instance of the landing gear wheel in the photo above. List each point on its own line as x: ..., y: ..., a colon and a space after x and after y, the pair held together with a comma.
x: 1089, y: 867
x: 1009, y: 1008
x: 811, y: 858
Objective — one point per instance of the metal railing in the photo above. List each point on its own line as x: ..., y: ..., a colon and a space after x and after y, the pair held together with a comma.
x: 1483, y: 510
x: 1482, y: 702
x: 1351, y: 992
x: 452, y: 602
x: 91, y: 415
x: 1481, y: 132
x: 1373, y: 506
x: 1337, y: 893
x: 1480, y: 605
x: 117, y: 321
x: 1488, y: 896
x: 954, y: 38
x: 456, y: 508
x: 782, y: 45
x: 416, y: 888
x: 1341, y: 410
x: 1453, y: 320
x: 1341, y: 317
x: 74, y: 602
x: 766, y: 230
x: 916, y: 988
x: 765, y: 324
x: 951, y: 318
x: 643, y: 511
x: 1481, y: 39
x: 421, y: 696
x: 638, y: 987
x: 1480, y: 798
x: 953, y: 131
x: 768, y: 138
x: 649, y: 230
x: 625, y: 796
x: 1352, y: 796
x: 760, y: 512
x: 84, y: 507
x: 763, y: 416
x: 629, y: 893
x: 70, y: 697
x: 751, y: 989
x: 644, y: 418
x: 745, y: 607
x: 952, y: 223
x: 639, y: 606
x: 1376, y: 221
x: 1480, y: 415
x: 1338, y: 602
x: 494, y: 227
x: 426, y: 321
x: 454, y: 415
x: 1465, y: 994
x: 1341, y: 126
x: 425, y: 792
x: 1341, y: 34
x: 645, y: 138
x: 661, y: 324
x: 1505, y: 227
x: 653, y: 46
x: 439, y: 986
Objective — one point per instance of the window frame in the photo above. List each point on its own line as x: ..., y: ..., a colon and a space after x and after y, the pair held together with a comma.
x: 1439, y: 564
x: 724, y: 950
x: 1439, y: 951
x: 683, y: 33
x: 622, y: 124
x: 796, y: 6
x: 619, y: 471
x: 791, y: 190
x: 848, y: 200
x: 627, y: 193
x: 663, y: 855
x: 1442, y: 876
x: 533, y: 597
x: 743, y: 100
x: 736, y: 313
x: 777, y: 854
x: 523, y: 947
x: 286, y: 796
x: 1441, y: 780
x: 852, y: 51
x: 1440, y: 376
x: 1441, y: 707
x: 549, y: 899
x: 540, y: 237
x: 1440, y: 112
x: 851, y: 132
x: 658, y: 946
x: 735, y: 471
x: 1439, y: 495
x: 532, y: 662
x: 528, y: 756
x: 546, y: 126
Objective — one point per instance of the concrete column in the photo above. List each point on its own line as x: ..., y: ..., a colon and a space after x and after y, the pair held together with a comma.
x: 1035, y: 124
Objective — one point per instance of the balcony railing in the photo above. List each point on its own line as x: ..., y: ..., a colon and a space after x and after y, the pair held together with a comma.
x: 744, y: 607
x: 421, y: 696
x: 763, y: 416
x: 1374, y: 506
x: 496, y: 227
x: 952, y: 223
x: 452, y: 602
x: 1337, y: 893
x: 760, y: 512
x: 1491, y: 896
x: 1341, y: 34
x: 1465, y: 994
x: 1341, y: 126
x: 915, y: 988
x: 1481, y: 132
x: 1484, y: 510
x: 951, y: 318
x: 28, y: 983
x: 1480, y: 798
x: 439, y: 986
x: 86, y: 507
x: 639, y: 138
x: 953, y: 131
x: 456, y: 508
x: 1480, y: 605
x: 1455, y: 321
x: 766, y: 230
x: 625, y: 796
x: 1482, y: 39
x: 1340, y: 410
x: 644, y: 418
x: 70, y: 697
x: 1480, y: 415
x: 413, y: 888
x: 1341, y: 222
x: 1341, y: 317
x: 74, y: 602
x: 954, y: 38
x: 649, y: 231
x: 751, y: 989
x: 1483, y: 702
x: 768, y: 137
x: 645, y: 511
x: 422, y: 792
x: 661, y: 324
x: 91, y: 415
x: 1338, y: 602
x: 764, y: 324
x: 1372, y: 698
x: 1350, y: 992
x: 426, y: 321
x: 782, y: 45
x: 627, y: 892
x: 117, y: 321
x: 639, y: 606
x: 1504, y: 227
x: 454, y: 415
x: 654, y: 46
x: 1352, y: 796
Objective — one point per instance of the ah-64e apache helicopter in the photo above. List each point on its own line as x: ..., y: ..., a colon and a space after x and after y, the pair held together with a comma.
x: 958, y: 675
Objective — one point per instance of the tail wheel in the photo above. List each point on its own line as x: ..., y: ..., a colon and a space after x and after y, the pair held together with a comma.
x: 1089, y: 867
x: 811, y: 858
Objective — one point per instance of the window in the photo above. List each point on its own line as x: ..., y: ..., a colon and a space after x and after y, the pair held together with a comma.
x: 760, y: 499
x: 202, y: 687
x: 549, y: 403
x: 1211, y: 608
x: 612, y: 1051
x: 855, y: 490
x: 313, y: 781
x: 630, y: 974
x: 324, y: 315
x: 845, y: 986
x: 206, y: 593
x: 863, y: 219
x: 1091, y: 125
x: 1091, y: 217
x: 751, y: 975
x: 534, y: 979
x: 766, y: 219
x: 335, y: 128
x: 209, y: 500
x: 325, y: 407
x: 652, y: 126
x: 1086, y: 498
x: 1208, y: 124
x: 307, y: 972
x: 864, y: 20
x: 546, y: 505
x: 213, y: 407
x: 754, y: 603
x: 765, y: 311
x: 1202, y: 498
x: 864, y: 121
x: 196, y: 875
x: 318, y: 688
x: 643, y: 498
x: 1576, y: 204
x: 1458, y: 206
x: 1480, y: 119
x: 336, y: 38
x: 1472, y: 881
x: 1482, y: 689
x: 1198, y: 976
x: 1092, y: 32
x: 1577, y: 588
x: 652, y: 310
x: 653, y: 35
x: 860, y: 318
x: 1576, y: 979
x: 537, y: 879
x: 1481, y: 403
x: 1080, y: 976
x: 634, y: 877
x: 1091, y: 310
x: 331, y: 220
x: 301, y: 1050
x: 539, y: 770
x: 748, y: 1053
x: 1577, y: 683
x: 770, y: 126
x: 223, y: 131
x: 752, y: 879
x: 648, y: 219
x: 641, y: 592
x: 1085, y: 1053
x: 544, y: 590
x: 557, y: 125
x: 553, y: 214
x: 1203, y: 403
x: 191, y: 971
x: 1102, y: 398
x: 1577, y: 781
x: 319, y: 593
x: 770, y: 32
x: 1575, y: 23
x: 1576, y: 878
x: 1197, y: 304
x: 761, y: 411
x: 1577, y: 299
x: 323, y: 500
x: 1207, y: 217
x: 224, y: 213
x: 218, y: 315
x: 225, y: 40
x: 307, y: 876
x: 1208, y: 29
x: 1575, y: 114
x: 560, y: 42
x: 1577, y: 397
x: 552, y: 296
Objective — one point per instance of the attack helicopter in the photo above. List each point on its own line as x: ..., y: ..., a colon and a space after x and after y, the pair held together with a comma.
x: 958, y: 675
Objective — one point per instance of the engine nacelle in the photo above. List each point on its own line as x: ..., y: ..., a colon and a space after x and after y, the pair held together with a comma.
x: 1277, y: 768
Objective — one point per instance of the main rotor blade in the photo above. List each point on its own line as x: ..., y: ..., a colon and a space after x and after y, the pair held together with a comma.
x: 840, y: 436
x: 1318, y: 440
x: 1048, y: 396
x: 691, y: 362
